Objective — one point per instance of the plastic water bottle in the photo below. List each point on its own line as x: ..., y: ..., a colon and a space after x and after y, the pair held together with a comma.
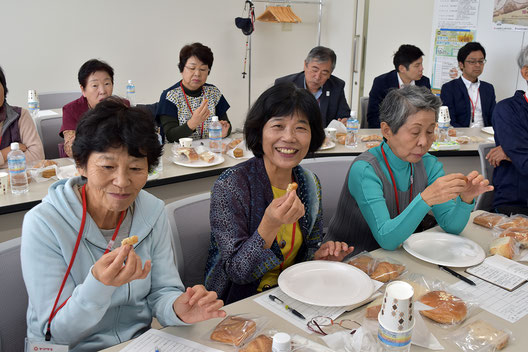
x: 16, y: 161
x: 443, y: 124
x: 33, y: 103
x: 131, y: 93
x: 215, y: 135
x: 159, y: 168
x: 281, y: 342
x: 352, y: 130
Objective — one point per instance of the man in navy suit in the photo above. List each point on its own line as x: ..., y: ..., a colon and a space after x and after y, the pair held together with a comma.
x: 408, y: 70
x: 470, y: 100
x: 318, y: 79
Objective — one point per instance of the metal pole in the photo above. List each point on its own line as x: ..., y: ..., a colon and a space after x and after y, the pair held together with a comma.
x: 249, y: 75
x: 319, y: 25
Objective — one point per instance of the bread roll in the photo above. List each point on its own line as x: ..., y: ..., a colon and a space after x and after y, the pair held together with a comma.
x: 386, y: 272
x: 503, y: 246
x: 364, y: 263
x: 234, y: 143
x: 484, y: 333
x: 132, y: 240
x: 488, y: 220
x: 261, y: 343
x: 233, y: 330
x: 291, y: 187
x: 238, y: 153
x: 448, y: 309
x: 520, y: 234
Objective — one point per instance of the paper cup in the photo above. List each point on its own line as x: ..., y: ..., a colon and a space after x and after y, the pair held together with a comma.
x: 4, y: 181
x: 396, y: 312
x: 395, y: 339
x: 443, y: 115
x: 331, y: 133
x: 186, y: 142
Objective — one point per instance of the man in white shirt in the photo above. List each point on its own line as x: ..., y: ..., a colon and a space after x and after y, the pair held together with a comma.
x: 470, y: 100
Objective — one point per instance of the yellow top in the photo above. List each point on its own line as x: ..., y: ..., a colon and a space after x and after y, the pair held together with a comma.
x: 283, y: 236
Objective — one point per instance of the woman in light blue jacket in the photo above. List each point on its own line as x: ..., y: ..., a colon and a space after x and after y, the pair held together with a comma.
x: 112, y: 291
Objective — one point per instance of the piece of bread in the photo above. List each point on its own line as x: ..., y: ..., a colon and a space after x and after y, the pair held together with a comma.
x: 372, y: 138
x: 238, y: 153
x: 233, y: 330
x: 516, y: 221
x: 448, y: 309
x: 462, y: 140
x: 44, y: 163
x: 261, y: 343
x: 190, y: 153
x: 372, y: 144
x: 386, y: 272
x: 364, y: 263
x: 520, y: 234
x: 488, y: 220
x: 47, y: 173
x: 373, y: 308
x: 234, y: 143
x: 503, y: 246
x: 452, y: 132
x: 341, y: 138
x: 291, y: 187
x: 132, y: 240
x: 207, y: 156
x: 485, y: 333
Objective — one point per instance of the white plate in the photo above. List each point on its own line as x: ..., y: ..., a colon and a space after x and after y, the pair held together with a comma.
x: 444, y: 249
x: 330, y: 145
x: 200, y: 163
x: 488, y: 130
x: 326, y: 283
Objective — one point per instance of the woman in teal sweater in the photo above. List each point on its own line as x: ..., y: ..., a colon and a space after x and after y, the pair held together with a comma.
x: 390, y: 189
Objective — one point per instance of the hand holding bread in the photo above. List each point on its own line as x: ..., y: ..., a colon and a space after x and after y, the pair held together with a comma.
x: 120, y: 266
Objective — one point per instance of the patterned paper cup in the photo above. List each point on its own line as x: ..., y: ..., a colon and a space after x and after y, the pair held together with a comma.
x: 396, y: 312
x: 394, y: 338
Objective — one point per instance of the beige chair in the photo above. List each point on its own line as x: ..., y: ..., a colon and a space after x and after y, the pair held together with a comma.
x: 485, y: 200
x: 191, y: 235
x: 14, y: 302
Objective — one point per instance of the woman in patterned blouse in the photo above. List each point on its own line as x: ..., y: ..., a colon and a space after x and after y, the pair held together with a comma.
x: 186, y: 108
x: 258, y: 228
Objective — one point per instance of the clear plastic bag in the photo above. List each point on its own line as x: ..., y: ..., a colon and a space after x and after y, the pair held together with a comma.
x: 488, y: 220
x: 480, y: 336
x: 383, y: 270
x: 236, y: 329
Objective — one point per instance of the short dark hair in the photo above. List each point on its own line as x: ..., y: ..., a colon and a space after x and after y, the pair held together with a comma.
x: 467, y: 49
x: 3, y: 81
x: 112, y: 124
x: 92, y: 66
x: 202, y: 52
x: 283, y: 99
x: 322, y: 54
x: 406, y: 55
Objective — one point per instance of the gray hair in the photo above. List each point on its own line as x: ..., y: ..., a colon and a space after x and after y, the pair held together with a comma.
x: 399, y: 104
x: 522, y: 59
x: 321, y: 54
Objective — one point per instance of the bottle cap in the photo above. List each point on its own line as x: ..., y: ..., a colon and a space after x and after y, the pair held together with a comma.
x: 353, y: 113
x: 443, y: 115
x: 15, y: 146
x: 214, y: 118
x: 129, y: 81
x: 281, y: 342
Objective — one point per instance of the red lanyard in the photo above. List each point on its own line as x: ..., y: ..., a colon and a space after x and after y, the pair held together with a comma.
x: 394, y: 182
x: 189, y: 106
x: 525, y: 98
x: 79, y: 236
x: 474, y: 105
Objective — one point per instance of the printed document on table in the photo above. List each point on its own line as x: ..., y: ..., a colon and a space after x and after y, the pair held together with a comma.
x: 501, y: 271
x: 154, y: 340
x: 510, y: 306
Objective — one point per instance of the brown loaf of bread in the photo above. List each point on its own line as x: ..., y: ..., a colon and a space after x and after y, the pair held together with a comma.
x: 503, y: 246
x: 363, y: 263
x: 484, y: 333
x: 386, y: 272
x: 520, y: 234
x: 448, y: 309
x: 261, y: 343
x: 233, y: 330
x: 488, y: 220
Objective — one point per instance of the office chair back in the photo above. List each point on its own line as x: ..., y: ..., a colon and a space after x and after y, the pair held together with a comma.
x: 14, y: 302
x: 363, y: 107
x: 48, y: 128
x: 191, y: 235
x: 331, y: 172
x: 56, y: 100
x: 485, y: 200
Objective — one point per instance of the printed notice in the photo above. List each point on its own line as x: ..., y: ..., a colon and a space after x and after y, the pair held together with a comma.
x: 156, y: 340
x: 501, y: 271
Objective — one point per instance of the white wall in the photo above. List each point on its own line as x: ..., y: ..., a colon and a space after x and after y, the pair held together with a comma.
x: 45, y: 42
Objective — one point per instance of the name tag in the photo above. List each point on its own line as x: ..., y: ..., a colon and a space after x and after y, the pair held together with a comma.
x: 36, y: 346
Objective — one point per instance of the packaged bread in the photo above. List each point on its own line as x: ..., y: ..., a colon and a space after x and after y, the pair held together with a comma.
x: 373, y: 308
x: 370, y: 145
x: 44, y: 163
x: 132, y: 240
x: 484, y: 334
x: 462, y: 139
x: 363, y: 262
x: 488, y: 220
x: 447, y: 308
x: 452, y: 132
x: 261, y: 343
x: 207, y: 156
x: 513, y: 221
x: 372, y: 138
x: 519, y: 234
x: 234, y: 143
x: 234, y: 330
x: 341, y: 138
x: 504, y: 246
x: 238, y: 152
x: 386, y: 271
x: 189, y: 152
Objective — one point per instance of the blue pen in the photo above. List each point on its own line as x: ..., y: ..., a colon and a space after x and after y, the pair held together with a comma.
x: 157, y: 349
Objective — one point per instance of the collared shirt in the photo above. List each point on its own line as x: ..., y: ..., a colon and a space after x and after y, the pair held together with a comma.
x: 317, y: 94
x: 473, y: 91
x: 401, y: 84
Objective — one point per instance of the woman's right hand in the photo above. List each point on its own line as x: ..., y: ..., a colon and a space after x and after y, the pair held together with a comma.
x: 444, y: 188
x: 284, y: 210
x: 199, y: 115
x: 112, y: 270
